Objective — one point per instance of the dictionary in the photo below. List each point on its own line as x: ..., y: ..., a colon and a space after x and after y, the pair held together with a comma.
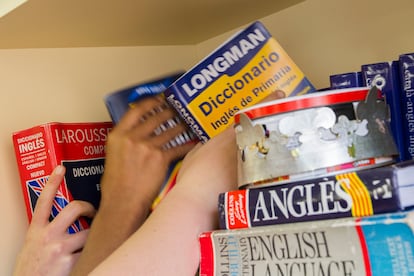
x: 357, y: 193
x: 241, y: 72
x: 80, y: 147
x: 377, y: 245
x: 406, y: 64
x: 118, y: 103
x: 346, y: 80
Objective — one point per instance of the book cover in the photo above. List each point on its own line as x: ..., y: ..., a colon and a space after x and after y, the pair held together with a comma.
x: 239, y: 73
x: 375, y: 246
x: 407, y: 100
x: 346, y: 80
x: 80, y: 147
x: 351, y: 194
x: 386, y: 77
x: 120, y: 101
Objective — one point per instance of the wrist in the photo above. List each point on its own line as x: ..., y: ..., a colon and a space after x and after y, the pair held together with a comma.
x: 126, y: 213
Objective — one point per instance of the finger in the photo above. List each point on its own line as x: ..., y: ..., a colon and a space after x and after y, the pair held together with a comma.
x: 44, y: 203
x: 167, y: 133
x: 140, y: 110
x: 76, y: 241
x: 278, y: 94
x: 156, y: 123
x: 71, y: 213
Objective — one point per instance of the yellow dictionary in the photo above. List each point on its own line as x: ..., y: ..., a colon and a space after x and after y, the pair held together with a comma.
x: 241, y: 72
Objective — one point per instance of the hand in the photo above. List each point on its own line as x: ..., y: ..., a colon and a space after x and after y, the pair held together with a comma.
x: 49, y: 249
x: 136, y: 159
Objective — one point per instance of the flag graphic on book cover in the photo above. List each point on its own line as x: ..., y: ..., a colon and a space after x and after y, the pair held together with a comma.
x: 35, y: 187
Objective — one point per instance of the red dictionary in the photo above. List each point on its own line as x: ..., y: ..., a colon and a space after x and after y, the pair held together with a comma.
x: 80, y: 147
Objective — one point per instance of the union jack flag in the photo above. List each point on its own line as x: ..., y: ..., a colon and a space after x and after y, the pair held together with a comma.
x: 35, y: 187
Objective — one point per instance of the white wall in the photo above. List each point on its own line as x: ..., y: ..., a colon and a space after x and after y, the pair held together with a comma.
x: 68, y: 85
x: 325, y: 37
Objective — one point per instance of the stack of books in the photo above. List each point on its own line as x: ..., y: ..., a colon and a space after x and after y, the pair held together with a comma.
x: 335, y: 220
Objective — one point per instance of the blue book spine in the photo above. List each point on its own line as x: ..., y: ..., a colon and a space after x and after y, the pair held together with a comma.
x: 407, y: 84
x: 346, y: 80
x: 372, y: 246
x: 385, y: 76
x: 353, y: 194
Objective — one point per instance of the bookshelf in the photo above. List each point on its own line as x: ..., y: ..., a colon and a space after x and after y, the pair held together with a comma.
x: 62, y: 82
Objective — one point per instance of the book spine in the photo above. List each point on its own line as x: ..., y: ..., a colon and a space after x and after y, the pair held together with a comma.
x: 31, y: 147
x: 353, y: 194
x: 346, y: 80
x: 375, y: 246
x: 241, y: 72
x: 385, y: 76
x: 397, y: 120
x: 407, y: 97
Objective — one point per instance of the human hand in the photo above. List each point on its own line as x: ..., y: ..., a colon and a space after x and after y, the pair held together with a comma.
x: 136, y: 159
x: 49, y: 249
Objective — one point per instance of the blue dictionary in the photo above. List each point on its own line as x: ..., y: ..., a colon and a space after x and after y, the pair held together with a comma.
x: 407, y: 96
x: 351, y: 194
x: 120, y: 101
x: 372, y: 246
x: 386, y: 77
x: 346, y: 80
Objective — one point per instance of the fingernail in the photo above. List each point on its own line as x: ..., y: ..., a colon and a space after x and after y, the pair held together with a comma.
x: 280, y: 94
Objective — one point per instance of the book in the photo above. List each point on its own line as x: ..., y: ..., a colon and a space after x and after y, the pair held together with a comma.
x: 377, y: 245
x: 239, y: 73
x: 120, y: 101
x: 346, y: 80
x: 355, y: 193
x: 407, y: 100
x: 80, y: 147
x: 386, y: 77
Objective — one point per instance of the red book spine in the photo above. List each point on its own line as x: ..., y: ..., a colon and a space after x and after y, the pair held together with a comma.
x: 207, y: 254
